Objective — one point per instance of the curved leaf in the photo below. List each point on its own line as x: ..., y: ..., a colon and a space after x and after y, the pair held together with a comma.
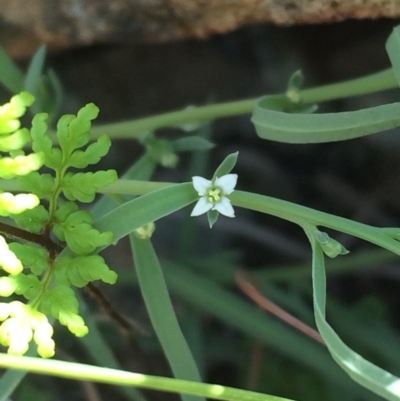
x: 325, y: 127
x: 359, y: 369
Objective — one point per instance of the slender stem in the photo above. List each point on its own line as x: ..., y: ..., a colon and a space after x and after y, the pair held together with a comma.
x: 135, y: 128
x: 71, y: 370
x: 124, y: 326
x: 379, y: 81
x: 20, y: 234
x: 247, y: 285
x: 45, y: 283
x: 301, y: 215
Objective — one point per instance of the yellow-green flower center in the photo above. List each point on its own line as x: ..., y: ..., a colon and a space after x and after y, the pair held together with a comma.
x: 214, y: 195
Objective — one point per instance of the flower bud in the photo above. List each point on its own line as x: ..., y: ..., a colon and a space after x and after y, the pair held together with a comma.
x: 330, y: 246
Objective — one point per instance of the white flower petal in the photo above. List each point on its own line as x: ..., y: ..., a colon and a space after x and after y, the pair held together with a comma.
x: 224, y: 207
x: 227, y: 183
x: 202, y: 206
x: 201, y: 185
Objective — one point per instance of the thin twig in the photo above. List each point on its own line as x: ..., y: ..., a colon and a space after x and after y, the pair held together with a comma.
x: 24, y: 235
x: 251, y: 290
x: 126, y: 327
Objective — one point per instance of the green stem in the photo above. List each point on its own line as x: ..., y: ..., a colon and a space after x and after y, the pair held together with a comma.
x: 379, y: 81
x: 135, y: 128
x: 44, y: 286
x: 79, y: 371
x: 276, y: 207
x: 303, y: 215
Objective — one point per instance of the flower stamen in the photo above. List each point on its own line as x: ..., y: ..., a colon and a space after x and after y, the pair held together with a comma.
x: 214, y: 195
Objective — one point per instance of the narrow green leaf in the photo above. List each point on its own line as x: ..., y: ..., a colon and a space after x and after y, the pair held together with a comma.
x: 227, y: 165
x: 56, y: 96
x: 136, y: 213
x: 212, y: 216
x: 10, y: 74
x: 35, y: 71
x: 191, y: 143
x: 393, y: 50
x: 161, y: 312
x: 359, y: 369
x: 296, y: 81
x: 318, y: 128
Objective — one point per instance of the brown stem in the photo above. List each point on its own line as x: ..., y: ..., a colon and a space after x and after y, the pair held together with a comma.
x: 124, y: 325
x: 39, y: 239
x: 251, y: 290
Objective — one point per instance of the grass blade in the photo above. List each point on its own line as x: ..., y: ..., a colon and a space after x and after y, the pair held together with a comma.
x: 161, y: 312
x: 10, y: 74
x: 359, y: 369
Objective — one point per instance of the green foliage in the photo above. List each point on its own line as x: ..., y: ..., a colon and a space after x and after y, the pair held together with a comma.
x: 60, y: 301
x: 74, y: 226
x: 50, y: 273
x: 33, y: 220
x: 226, y: 166
x: 83, y: 186
x: 81, y: 270
x: 92, y: 154
x: 40, y: 184
x: 32, y: 257
x: 47, y: 287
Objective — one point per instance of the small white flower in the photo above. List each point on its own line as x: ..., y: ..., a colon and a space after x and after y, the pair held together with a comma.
x: 213, y: 194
